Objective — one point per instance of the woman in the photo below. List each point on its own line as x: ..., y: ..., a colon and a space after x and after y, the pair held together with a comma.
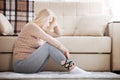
x: 36, y: 43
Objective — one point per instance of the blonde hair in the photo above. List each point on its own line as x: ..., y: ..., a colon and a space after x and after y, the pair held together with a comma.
x: 43, y: 16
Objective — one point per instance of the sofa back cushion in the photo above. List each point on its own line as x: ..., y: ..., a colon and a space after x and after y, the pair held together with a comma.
x: 5, y: 26
x: 91, y: 25
x: 69, y: 13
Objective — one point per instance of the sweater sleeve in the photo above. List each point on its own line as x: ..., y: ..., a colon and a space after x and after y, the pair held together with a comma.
x: 40, y: 33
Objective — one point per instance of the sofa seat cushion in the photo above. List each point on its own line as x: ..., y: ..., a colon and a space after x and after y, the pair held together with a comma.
x: 87, y: 44
x: 73, y: 43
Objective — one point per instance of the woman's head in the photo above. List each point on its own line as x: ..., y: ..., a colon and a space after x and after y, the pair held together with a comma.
x: 46, y: 18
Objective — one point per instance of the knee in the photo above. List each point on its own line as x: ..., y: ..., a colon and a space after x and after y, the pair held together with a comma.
x: 50, y: 47
x: 47, y: 44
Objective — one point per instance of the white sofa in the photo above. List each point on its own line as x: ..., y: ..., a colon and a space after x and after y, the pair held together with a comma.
x: 91, y: 52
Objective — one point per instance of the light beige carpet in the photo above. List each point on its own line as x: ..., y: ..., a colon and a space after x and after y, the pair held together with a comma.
x: 59, y: 76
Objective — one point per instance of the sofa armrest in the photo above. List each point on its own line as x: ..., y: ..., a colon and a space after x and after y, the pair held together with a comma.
x: 114, y: 33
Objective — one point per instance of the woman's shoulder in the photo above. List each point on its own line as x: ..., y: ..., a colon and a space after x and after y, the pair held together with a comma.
x: 31, y: 25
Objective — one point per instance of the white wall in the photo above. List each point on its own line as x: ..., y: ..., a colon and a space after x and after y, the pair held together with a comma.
x: 115, y: 7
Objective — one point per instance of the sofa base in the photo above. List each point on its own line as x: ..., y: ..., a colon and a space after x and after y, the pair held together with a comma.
x: 90, y: 62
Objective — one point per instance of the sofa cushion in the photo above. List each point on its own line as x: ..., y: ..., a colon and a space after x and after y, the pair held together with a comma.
x: 73, y: 43
x: 5, y: 26
x: 87, y: 44
x: 68, y: 25
x: 91, y: 25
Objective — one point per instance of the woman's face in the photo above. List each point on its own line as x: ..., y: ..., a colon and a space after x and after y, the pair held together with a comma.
x: 47, y: 24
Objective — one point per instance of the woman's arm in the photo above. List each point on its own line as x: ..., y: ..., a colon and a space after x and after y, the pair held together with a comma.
x: 56, y: 32
x: 46, y: 37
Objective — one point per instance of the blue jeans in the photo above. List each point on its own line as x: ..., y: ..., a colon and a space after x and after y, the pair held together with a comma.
x: 35, y: 61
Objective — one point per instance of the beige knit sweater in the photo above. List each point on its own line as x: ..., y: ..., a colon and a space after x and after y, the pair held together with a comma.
x: 30, y: 38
